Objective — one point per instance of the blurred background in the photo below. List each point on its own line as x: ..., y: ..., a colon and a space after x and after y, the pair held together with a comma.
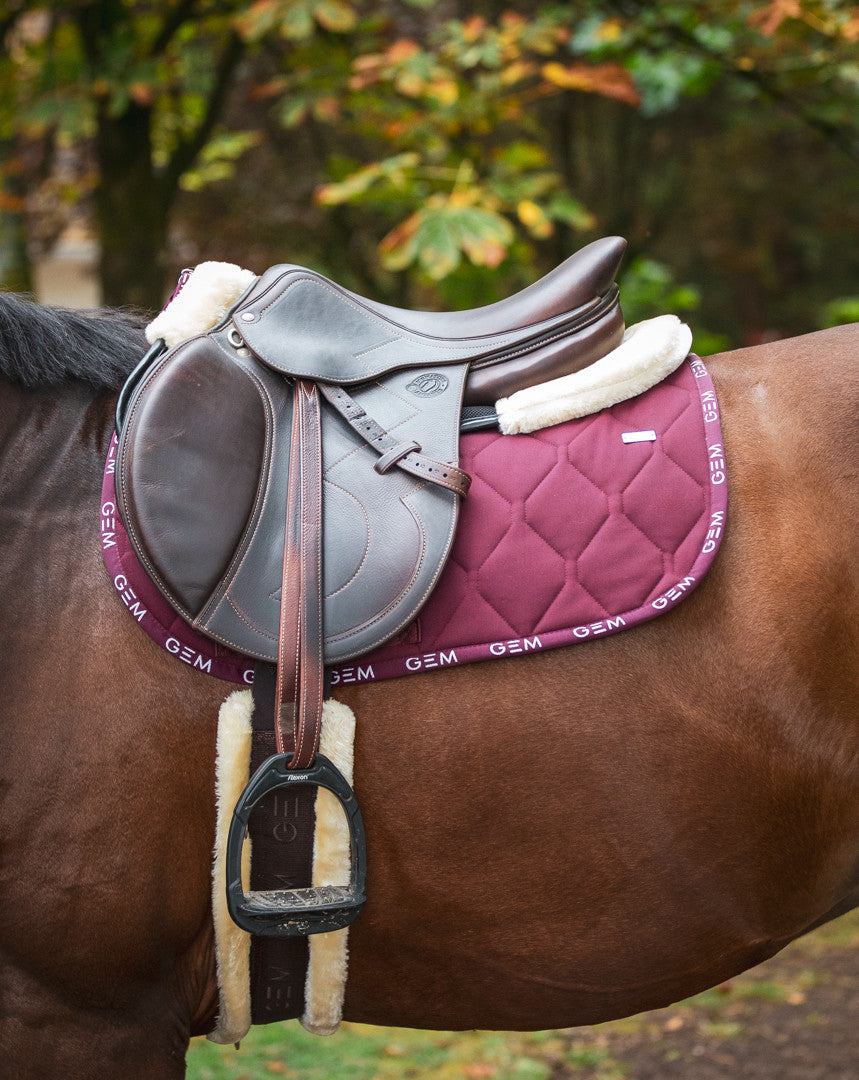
x: 437, y: 153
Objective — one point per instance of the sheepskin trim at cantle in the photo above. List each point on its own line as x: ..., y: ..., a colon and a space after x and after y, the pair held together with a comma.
x: 649, y: 352
x: 201, y: 303
x: 328, y: 963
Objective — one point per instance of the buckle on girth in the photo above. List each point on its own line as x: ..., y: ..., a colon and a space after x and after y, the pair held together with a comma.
x: 296, y: 912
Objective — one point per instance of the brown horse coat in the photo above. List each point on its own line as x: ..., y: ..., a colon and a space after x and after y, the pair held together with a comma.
x: 552, y: 840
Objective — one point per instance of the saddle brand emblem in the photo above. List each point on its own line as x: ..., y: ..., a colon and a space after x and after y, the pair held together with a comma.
x: 428, y: 384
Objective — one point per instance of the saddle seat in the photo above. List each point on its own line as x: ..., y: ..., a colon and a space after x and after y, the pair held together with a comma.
x: 558, y: 325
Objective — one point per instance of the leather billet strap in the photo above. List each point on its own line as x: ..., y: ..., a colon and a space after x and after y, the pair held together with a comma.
x: 281, y: 830
x: 404, y: 455
x: 298, y: 703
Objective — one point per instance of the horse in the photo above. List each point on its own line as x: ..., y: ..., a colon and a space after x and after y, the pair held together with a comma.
x: 556, y: 839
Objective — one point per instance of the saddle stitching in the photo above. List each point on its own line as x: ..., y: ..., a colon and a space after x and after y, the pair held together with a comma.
x: 357, y: 501
x: 120, y: 473
x: 246, y: 619
x: 381, y: 345
x: 406, y: 588
x: 430, y: 586
x: 221, y: 592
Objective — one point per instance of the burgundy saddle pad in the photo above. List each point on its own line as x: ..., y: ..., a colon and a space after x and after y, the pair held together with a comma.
x: 567, y: 534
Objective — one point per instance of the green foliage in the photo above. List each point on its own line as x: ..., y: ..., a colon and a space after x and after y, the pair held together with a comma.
x: 841, y: 311
x: 648, y: 289
x: 218, y: 158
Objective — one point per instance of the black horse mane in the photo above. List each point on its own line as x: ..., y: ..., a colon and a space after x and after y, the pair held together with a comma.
x: 47, y: 346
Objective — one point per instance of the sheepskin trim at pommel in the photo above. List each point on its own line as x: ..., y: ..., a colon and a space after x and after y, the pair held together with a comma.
x: 202, y: 302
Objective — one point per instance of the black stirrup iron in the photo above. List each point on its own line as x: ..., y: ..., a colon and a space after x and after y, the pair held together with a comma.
x: 296, y: 912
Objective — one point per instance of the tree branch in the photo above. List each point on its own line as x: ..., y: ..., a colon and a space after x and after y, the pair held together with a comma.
x: 186, y: 153
x: 172, y: 23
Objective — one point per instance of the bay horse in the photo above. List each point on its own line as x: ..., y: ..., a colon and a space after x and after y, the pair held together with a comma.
x: 554, y: 840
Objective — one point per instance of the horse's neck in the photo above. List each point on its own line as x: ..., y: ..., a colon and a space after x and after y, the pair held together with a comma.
x: 51, y: 445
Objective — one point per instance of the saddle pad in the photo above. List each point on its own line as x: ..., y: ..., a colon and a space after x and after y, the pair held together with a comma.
x: 567, y: 534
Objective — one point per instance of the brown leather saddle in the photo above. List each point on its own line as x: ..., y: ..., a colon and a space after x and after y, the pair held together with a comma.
x: 289, y: 479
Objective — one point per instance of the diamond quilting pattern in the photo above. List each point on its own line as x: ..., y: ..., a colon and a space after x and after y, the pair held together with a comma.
x: 621, y: 567
x: 571, y: 532
x: 508, y: 582
x: 665, y: 507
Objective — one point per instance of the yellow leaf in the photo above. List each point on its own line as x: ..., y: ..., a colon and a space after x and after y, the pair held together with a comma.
x: 529, y: 212
x: 462, y: 197
x: 610, y: 80
x: 609, y: 31
x: 516, y: 72
x: 335, y: 15
x: 444, y: 91
x: 534, y: 219
x: 489, y: 253
x: 326, y: 195
x: 410, y: 84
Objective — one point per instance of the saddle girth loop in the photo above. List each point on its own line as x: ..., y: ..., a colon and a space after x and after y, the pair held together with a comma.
x: 393, y: 452
x: 298, y: 700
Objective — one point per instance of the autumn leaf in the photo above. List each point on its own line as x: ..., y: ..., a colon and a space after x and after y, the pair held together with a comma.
x: 473, y: 27
x: 402, y: 50
x: 610, y: 80
x: 517, y: 71
x: 443, y: 90
x: 768, y: 19
x: 440, y: 233
x: 409, y: 83
x: 392, y: 169
x: 534, y: 219
x: 335, y: 15
x: 609, y: 31
x: 260, y: 17
x: 141, y: 93
x: 355, y: 184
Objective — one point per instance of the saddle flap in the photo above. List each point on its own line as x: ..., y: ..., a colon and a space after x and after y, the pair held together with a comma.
x: 188, y: 469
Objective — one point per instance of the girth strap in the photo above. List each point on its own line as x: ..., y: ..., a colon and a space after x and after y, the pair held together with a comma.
x: 298, y: 702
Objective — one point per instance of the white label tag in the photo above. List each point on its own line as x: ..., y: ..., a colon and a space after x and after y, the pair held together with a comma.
x: 639, y: 436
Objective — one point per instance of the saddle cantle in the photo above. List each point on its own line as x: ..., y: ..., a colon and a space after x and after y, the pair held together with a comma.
x: 290, y: 481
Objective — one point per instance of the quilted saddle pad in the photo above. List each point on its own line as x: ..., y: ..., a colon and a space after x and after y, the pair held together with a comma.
x: 567, y: 534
